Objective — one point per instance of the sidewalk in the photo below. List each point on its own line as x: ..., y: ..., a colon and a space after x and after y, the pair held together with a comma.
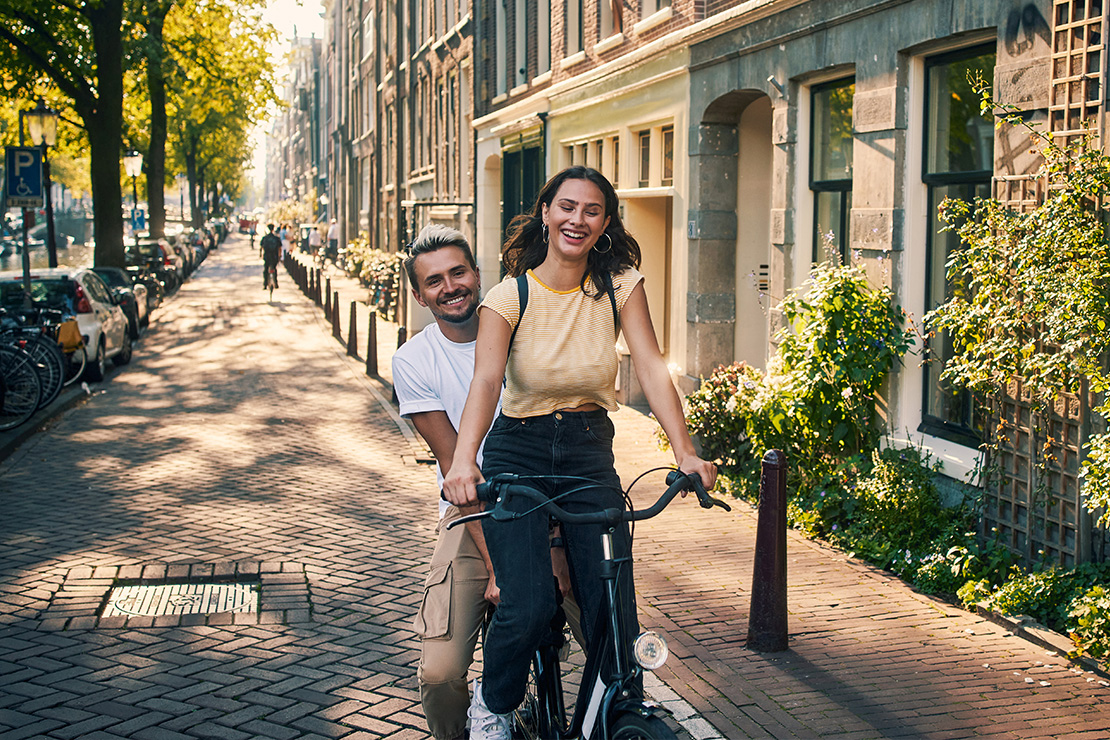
x: 242, y: 439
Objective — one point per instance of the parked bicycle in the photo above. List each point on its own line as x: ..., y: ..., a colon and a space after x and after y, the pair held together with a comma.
x: 610, y: 704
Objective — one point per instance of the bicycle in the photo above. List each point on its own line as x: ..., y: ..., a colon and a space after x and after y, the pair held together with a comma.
x: 20, y: 389
x: 271, y: 279
x: 612, y: 706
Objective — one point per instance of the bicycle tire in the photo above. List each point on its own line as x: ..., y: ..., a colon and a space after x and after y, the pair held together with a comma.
x: 638, y: 727
x: 75, y: 365
x: 20, y: 388
x: 50, y: 364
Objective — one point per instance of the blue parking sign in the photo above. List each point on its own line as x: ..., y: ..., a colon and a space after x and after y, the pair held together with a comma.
x: 23, y: 167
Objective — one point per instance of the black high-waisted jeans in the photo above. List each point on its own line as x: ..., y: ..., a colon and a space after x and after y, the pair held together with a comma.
x: 561, y: 443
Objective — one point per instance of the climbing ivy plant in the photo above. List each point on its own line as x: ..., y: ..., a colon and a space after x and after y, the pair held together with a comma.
x: 1031, y: 290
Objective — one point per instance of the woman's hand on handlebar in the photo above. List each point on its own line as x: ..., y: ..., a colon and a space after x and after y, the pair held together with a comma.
x: 459, y: 484
x: 694, y: 465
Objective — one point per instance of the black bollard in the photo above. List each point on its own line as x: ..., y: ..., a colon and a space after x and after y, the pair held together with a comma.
x: 767, y: 619
x: 327, y: 300
x: 372, y: 344
x: 335, y: 317
x: 352, y: 336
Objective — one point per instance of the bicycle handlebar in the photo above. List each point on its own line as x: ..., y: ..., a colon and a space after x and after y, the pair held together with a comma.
x: 504, y: 486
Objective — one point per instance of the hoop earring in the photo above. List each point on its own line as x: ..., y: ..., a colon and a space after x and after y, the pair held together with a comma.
x: 543, y: 231
x: 605, y: 251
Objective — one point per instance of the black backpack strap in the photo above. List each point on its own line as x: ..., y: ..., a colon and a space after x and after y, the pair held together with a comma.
x: 613, y: 299
x: 522, y: 299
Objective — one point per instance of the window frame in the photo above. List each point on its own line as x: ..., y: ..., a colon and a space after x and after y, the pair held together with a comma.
x: 965, y: 433
x: 843, y: 186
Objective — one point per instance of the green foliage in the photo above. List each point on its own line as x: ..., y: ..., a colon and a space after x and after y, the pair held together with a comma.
x: 817, y: 401
x: 1074, y: 602
x: 899, y: 499
x: 1031, y: 290
x: 1091, y: 613
x: 379, y: 271
x: 718, y: 412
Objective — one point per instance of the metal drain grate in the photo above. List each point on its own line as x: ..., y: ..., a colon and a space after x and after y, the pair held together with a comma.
x: 181, y: 598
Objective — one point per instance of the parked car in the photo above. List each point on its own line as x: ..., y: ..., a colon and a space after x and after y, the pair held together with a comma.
x: 132, y: 297
x: 78, y: 292
x: 157, y: 254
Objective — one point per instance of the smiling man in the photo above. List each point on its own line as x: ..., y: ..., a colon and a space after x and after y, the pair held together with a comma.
x: 431, y: 373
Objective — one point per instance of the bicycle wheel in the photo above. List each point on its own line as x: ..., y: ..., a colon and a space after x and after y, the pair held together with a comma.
x: 20, y: 389
x: 50, y: 364
x: 638, y: 727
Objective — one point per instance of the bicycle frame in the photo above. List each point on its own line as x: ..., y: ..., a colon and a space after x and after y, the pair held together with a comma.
x: 602, y: 699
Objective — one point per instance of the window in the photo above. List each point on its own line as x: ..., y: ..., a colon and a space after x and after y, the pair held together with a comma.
x: 574, y: 26
x: 501, y: 63
x: 616, y: 161
x: 520, y: 58
x: 958, y: 163
x: 645, y: 158
x: 830, y: 173
x: 611, y: 21
x: 543, y: 36
x: 650, y: 7
x: 668, y: 156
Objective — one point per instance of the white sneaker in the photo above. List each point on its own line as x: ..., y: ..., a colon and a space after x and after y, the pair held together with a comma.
x: 484, y: 724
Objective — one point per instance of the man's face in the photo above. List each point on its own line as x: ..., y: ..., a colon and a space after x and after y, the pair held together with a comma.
x: 447, y: 284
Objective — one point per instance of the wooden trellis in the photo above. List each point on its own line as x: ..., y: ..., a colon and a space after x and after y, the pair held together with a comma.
x: 1034, y: 505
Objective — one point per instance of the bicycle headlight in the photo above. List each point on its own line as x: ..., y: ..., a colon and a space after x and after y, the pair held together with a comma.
x: 650, y: 650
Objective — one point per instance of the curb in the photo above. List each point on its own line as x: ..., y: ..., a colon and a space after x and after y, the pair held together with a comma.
x: 1033, y: 631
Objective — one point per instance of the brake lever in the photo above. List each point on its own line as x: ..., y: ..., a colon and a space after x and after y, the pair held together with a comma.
x: 469, y: 518
x: 704, y: 499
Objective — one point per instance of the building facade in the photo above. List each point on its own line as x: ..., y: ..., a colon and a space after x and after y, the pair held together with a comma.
x: 747, y: 141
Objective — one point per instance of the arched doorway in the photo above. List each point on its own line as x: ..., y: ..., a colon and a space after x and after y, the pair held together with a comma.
x: 730, y: 233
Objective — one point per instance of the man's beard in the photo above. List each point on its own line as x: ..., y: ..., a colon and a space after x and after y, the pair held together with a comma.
x: 462, y: 318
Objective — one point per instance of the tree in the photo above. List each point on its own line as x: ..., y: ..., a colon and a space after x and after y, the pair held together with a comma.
x: 79, y: 48
x: 220, y: 82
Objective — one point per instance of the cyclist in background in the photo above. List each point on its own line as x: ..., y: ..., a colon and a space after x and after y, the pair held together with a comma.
x: 269, y: 249
x: 559, y: 373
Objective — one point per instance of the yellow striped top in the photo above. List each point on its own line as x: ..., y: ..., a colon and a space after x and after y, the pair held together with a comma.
x: 564, y: 354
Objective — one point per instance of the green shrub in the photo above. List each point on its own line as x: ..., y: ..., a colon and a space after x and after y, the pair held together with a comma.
x: 1091, y: 615
x: 899, y: 499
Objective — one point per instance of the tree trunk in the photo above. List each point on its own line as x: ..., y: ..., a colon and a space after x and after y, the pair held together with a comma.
x: 156, y: 81
x: 191, y: 176
x: 104, y: 122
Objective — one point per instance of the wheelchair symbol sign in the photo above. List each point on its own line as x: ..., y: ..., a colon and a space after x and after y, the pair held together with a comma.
x: 23, y: 176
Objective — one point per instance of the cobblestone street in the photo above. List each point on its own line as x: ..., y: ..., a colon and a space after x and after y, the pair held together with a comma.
x: 241, y: 440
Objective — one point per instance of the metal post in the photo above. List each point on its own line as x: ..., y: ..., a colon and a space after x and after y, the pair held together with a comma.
x: 327, y: 300
x: 372, y: 344
x: 767, y: 618
x: 352, y: 335
x: 335, y: 317
x: 51, y: 243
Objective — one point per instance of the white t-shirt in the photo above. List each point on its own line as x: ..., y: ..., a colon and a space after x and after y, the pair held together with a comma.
x: 432, y: 373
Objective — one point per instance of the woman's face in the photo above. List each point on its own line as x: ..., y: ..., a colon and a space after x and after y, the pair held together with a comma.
x: 575, y: 219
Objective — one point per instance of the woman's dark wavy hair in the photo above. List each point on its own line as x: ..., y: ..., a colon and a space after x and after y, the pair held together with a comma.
x: 525, y: 248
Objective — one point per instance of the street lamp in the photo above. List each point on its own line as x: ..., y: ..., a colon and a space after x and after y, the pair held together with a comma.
x: 133, y: 166
x: 42, y: 124
x: 182, y: 181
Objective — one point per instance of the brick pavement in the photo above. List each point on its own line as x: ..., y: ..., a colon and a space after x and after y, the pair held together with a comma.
x: 242, y: 435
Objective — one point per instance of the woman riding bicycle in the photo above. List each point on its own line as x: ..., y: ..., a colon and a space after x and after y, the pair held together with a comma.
x: 559, y: 364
